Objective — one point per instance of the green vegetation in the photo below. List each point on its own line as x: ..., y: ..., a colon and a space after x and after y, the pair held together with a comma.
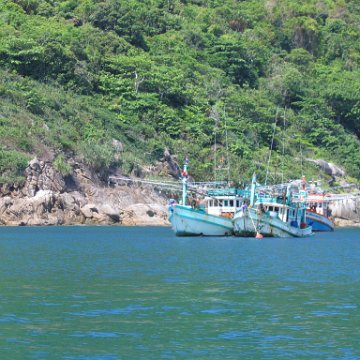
x: 77, y: 75
x: 61, y: 165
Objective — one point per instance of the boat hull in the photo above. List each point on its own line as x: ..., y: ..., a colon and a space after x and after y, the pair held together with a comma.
x: 250, y: 223
x: 319, y: 222
x: 186, y: 221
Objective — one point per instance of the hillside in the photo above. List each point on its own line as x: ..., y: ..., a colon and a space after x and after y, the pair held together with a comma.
x: 112, y: 84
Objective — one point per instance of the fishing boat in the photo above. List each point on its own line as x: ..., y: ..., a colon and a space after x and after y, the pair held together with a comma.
x: 271, y: 214
x: 318, y: 213
x: 204, y: 213
x: 187, y: 221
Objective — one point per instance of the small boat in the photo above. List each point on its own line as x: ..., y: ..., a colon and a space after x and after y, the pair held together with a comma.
x: 273, y: 215
x: 318, y: 213
x: 209, y: 216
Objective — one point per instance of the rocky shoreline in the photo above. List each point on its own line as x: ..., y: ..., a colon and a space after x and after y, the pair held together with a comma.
x: 48, y: 198
x: 345, y: 223
x: 346, y: 213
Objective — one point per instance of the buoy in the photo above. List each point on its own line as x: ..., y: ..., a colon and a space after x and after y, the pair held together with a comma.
x: 259, y: 236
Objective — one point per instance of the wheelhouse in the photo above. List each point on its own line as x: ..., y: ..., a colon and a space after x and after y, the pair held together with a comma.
x: 223, y: 205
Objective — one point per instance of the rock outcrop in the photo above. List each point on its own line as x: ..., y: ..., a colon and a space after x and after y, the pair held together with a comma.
x: 48, y: 198
x: 329, y: 168
x: 172, y: 166
x: 346, y: 212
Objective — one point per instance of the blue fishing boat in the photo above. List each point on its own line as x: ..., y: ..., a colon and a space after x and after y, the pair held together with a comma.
x: 269, y: 214
x: 208, y: 213
x: 318, y: 213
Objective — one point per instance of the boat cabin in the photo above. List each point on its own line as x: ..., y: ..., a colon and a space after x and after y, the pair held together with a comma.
x: 293, y: 214
x: 225, y: 206
x: 318, y: 205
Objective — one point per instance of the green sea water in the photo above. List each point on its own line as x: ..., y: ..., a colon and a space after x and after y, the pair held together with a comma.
x: 110, y: 293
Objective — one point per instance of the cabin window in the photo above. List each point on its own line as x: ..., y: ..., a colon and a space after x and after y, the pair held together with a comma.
x: 226, y: 203
x: 237, y: 203
x: 271, y: 208
x: 231, y: 203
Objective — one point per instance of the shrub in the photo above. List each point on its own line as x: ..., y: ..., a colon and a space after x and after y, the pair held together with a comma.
x: 60, y: 164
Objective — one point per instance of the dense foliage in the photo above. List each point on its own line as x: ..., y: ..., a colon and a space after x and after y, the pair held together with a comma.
x: 77, y: 75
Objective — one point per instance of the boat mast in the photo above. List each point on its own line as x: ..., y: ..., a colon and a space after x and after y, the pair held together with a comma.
x: 283, y: 147
x: 253, y: 186
x: 184, y: 176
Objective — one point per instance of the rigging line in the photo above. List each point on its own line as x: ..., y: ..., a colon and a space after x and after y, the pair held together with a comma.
x: 283, y: 147
x: 215, y: 140
x: 271, y: 147
x: 227, y: 146
x: 148, y: 181
x: 301, y: 150
x: 301, y: 160
x: 216, y: 119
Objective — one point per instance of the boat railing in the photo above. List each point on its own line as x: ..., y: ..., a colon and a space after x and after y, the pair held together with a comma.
x: 228, y: 192
x: 268, y: 199
x: 294, y: 202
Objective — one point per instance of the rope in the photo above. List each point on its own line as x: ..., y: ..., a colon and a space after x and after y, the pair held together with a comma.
x: 271, y: 147
x: 255, y: 228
